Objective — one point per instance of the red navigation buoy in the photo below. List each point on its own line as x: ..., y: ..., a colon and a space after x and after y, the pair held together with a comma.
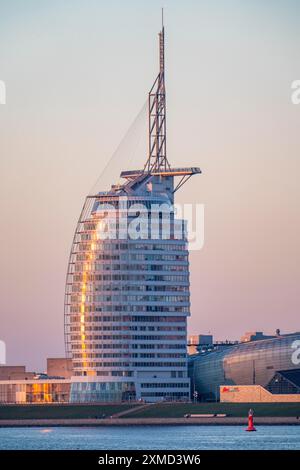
x: 250, y: 421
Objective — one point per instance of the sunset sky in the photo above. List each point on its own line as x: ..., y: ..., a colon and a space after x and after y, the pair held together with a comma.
x: 77, y: 73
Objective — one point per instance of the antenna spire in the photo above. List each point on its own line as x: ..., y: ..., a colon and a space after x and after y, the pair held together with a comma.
x: 157, y: 163
x: 157, y: 158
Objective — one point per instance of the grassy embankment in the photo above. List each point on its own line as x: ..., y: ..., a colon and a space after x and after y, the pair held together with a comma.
x: 161, y: 410
x: 178, y: 410
x: 60, y: 411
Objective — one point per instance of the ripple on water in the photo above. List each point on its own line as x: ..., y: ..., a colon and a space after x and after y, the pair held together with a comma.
x: 152, y: 437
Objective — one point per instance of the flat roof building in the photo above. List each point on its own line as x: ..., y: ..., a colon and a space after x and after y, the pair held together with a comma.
x: 15, y: 373
x: 34, y: 391
x: 198, y: 342
x: 19, y: 386
x: 59, y: 367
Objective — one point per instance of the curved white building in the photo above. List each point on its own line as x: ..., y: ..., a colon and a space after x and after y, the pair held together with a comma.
x: 127, y: 291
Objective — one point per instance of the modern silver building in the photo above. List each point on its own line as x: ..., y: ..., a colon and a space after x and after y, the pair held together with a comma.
x: 127, y: 292
x: 272, y: 363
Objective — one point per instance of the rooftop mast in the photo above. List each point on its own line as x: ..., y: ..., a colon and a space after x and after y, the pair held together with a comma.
x: 157, y: 162
x: 157, y: 158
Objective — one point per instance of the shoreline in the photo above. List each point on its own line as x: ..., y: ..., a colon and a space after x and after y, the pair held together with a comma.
x: 92, y: 422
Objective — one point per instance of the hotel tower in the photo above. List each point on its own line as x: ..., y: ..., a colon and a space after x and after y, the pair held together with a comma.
x: 127, y: 293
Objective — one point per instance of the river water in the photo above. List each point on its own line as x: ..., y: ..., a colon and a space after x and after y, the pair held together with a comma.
x: 152, y: 437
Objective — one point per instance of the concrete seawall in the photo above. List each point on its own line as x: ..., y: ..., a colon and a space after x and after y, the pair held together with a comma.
x: 147, y: 421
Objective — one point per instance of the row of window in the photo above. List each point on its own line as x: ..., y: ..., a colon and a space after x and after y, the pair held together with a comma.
x: 85, y: 256
x: 131, y: 246
x: 97, y: 267
x: 107, y: 373
x: 159, y: 232
x: 93, y: 386
x: 130, y: 298
x: 165, y: 385
x: 126, y: 308
x: 140, y: 278
x: 73, y: 329
x: 122, y: 214
x: 143, y: 346
x: 130, y: 355
x: 117, y: 229
x: 124, y: 373
x: 92, y: 365
x: 128, y: 288
x: 129, y: 318
x: 121, y: 337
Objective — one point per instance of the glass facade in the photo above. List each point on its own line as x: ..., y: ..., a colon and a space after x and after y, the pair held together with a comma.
x: 253, y: 363
x: 37, y: 391
x: 102, y: 392
x: 285, y: 382
x: 126, y: 304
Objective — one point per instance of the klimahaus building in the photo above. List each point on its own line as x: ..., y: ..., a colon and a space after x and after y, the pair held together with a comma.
x: 127, y: 296
x: 270, y: 365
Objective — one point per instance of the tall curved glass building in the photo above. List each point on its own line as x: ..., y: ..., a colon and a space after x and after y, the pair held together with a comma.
x: 267, y: 362
x: 127, y: 290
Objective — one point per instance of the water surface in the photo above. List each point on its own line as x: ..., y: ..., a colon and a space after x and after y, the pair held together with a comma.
x: 151, y: 437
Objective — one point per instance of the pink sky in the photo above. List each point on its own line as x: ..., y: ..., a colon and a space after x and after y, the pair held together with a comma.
x: 76, y: 76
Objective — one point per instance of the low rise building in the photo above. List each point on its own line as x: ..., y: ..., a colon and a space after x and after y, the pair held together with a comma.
x: 15, y: 373
x: 19, y: 386
x: 198, y: 342
x: 59, y: 367
x: 254, y: 394
x: 34, y: 391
